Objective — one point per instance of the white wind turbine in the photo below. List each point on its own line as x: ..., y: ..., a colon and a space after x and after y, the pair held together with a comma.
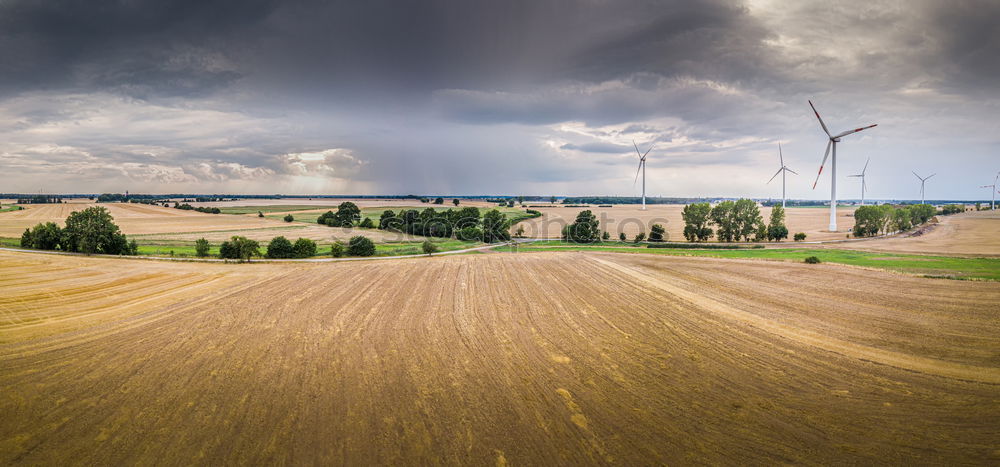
x: 993, y: 189
x: 834, y: 139
x: 782, y: 171
x: 642, y: 168
x: 922, y: 181
x: 863, y: 185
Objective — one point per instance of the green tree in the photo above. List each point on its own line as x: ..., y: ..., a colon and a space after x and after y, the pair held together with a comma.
x: 439, y: 200
x: 869, y: 220
x: 289, y: 218
x: 552, y: 199
x: 347, y: 214
x: 901, y: 219
x: 746, y: 219
x: 337, y: 250
x: 429, y: 247
x: 469, y: 234
x: 455, y: 202
x: 367, y: 223
x: 388, y: 220
x: 279, y: 247
x: 360, y: 246
x: 800, y: 236
x: 43, y: 236
x: 657, y: 233
x: 495, y: 227
x: 201, y: 247
x: 696, y: 218
x: 27, y: 241
x: 585, y: 229
x: 621, y: 236
x: 93, y: 230
x: 304, y: 248
x: 605, y: 236
x: 776, y: 229
x: 722, y: 217
x: 639, y: 237
x: 239, y: 248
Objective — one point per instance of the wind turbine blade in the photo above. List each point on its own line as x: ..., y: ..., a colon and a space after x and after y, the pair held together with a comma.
x: 647, y: 152
x: 637, y: 149
x: 780, y: 156
x: 637, y: 172
x: 929, y: 176
x: 859, y: 175
x: 866, y: 166
x: 821, y: 164
x: 792, y: 171
x: 855, y: 130
x: 820, y: 119
x: 915, y: 175
x: 775, y: 175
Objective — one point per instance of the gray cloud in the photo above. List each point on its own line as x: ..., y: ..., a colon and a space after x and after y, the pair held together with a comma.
x: 494, y: 97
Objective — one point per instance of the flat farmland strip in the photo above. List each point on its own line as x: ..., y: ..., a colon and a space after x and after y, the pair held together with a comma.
x: 548, y: 358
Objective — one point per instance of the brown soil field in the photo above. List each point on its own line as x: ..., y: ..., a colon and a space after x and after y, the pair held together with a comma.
x: 966, y: 234
x: 632, y: 220
x: 544, y: 358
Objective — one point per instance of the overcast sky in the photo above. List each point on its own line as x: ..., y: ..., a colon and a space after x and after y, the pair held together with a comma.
x: 529, y: 97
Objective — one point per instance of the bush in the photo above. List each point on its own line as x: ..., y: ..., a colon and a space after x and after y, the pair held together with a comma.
x: 429, y: 247
x: 322, y: 219
x: 812, y: 260
x: 639, y: 237
x: 201, y: 247
x: 260, y: 213
x: 455, y: 202
x: 360, y: 246
x: 439, y: 200
x: 279, y: 247
x: 622, y: 237
x: 304, y: 248
x: 289, y: 218
x: 367, y: 223
x: 605, y: 236
x: 239, y: 248
x: 337, y: 250
x: 657, y: 233
x: 388, y: 220
x: 799, y: 236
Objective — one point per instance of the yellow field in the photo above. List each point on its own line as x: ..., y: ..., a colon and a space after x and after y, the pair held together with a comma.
x: 967, y: 234
x: 629, y: 218
x: 546, y: 359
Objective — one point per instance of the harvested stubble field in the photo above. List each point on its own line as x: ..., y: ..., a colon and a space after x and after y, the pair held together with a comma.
x: 547, y: 358
x: 966, y: 234
x: 629, y: 218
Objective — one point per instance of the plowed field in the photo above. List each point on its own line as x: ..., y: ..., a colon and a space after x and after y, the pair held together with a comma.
x: 544, y: 358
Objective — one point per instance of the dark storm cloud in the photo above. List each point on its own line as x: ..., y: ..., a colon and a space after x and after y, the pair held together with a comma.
x: 383, y: 90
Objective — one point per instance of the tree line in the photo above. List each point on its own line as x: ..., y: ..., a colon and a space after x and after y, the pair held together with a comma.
x: 89, y: 231
x: 466, y: 224
x: 870, y: 221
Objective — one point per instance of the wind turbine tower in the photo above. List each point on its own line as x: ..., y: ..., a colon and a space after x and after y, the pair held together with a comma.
x: 834, y: 139
x: 642, y: 168
x: 993, y: 190
x: 782, y: 171
x: 862, y: 175
x: 923, y: 180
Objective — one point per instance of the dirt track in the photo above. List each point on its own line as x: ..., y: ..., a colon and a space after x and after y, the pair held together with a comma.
x: 547, y: 358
